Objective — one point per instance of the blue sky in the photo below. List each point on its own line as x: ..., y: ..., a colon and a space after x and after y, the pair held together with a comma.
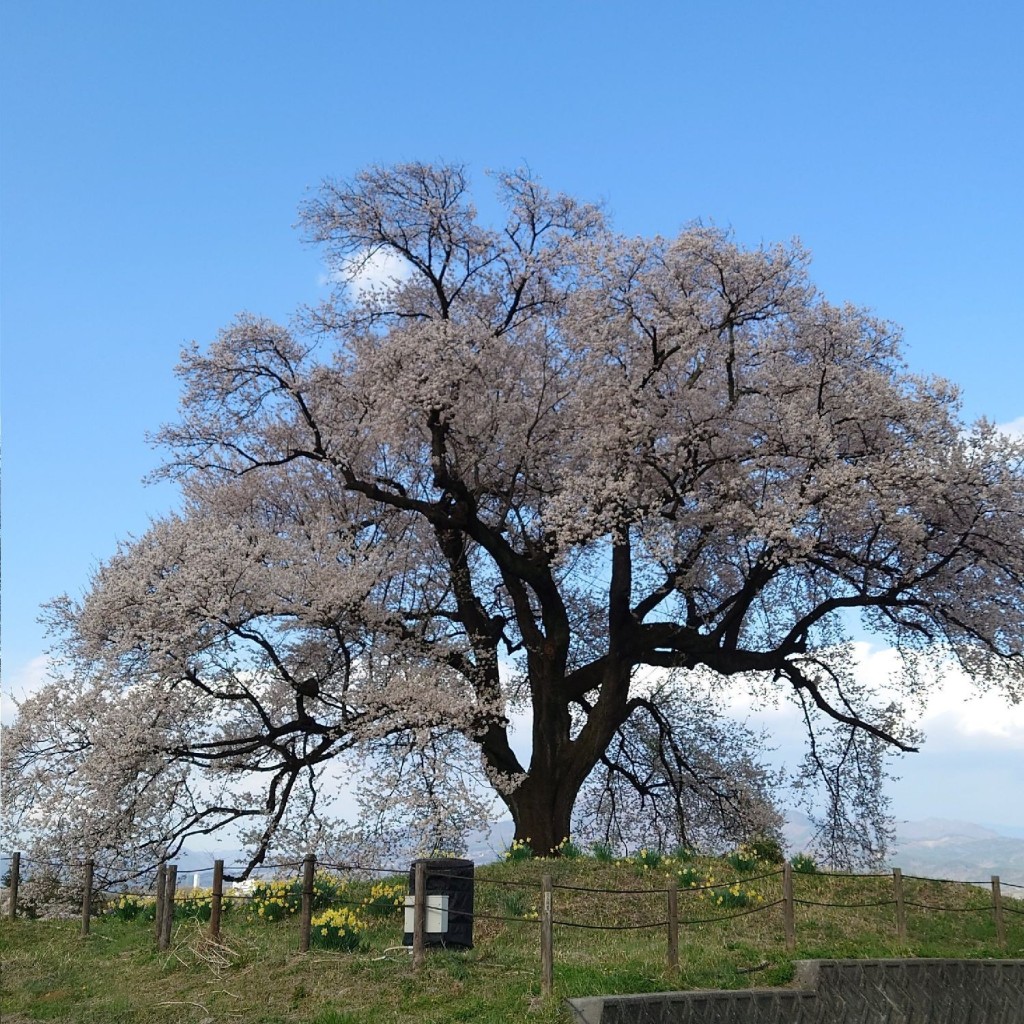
x: 152, y: 157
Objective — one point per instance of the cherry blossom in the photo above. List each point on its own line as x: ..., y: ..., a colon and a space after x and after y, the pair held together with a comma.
x: 541, y: 459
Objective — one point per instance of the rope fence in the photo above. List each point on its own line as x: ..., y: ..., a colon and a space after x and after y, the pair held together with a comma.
x: 311, y: 888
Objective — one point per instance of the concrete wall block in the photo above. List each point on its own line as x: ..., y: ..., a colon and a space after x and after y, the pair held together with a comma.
x: 839, y: 992
x: 919, y: 991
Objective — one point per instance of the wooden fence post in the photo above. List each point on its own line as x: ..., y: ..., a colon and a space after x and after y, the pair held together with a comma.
x: 216, y: 898
x: 673, y: 925
x: 306, y: 917
x: 901, y: 909
x: 167, y: 918
x: 547, y: 950
x: 161, y: 886
x: 788, y: 907
x: 997, y: 910
x: 419, y: 915
x: 87, y: 896
x: 12, y: 910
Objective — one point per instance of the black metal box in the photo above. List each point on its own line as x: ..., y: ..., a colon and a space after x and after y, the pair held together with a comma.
x: 451, y: 877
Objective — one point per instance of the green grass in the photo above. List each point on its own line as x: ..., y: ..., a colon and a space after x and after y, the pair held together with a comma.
x: 257, y: 974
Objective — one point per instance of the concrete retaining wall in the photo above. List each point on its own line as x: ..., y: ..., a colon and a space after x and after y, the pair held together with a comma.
x: 838, y: 992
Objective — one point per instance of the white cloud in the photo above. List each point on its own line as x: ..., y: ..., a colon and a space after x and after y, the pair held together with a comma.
x: 971, y: 759
x: 362, y: 274
x: 954, y: 712
x: 22, y: 683
x: 957, y: 710
x: 1015, y: 428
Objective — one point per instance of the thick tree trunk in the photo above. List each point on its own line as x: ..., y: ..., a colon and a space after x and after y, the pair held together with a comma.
x: 542, y: 812
x: 542, y: 806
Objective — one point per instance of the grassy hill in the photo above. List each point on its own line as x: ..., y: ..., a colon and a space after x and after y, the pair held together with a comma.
x: 731, y: 937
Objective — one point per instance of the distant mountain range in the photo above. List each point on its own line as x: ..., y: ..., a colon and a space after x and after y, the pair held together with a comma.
x: 940, y: 848
x: 934, y: 848
x: 964, y: 851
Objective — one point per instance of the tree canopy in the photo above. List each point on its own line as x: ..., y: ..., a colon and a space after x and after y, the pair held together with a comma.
x: 541, y: 470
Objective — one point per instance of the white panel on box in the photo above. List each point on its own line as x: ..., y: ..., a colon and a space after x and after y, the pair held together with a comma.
x: 437, y: 914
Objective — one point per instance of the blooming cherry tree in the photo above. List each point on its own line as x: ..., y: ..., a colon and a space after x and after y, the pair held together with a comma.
x: 539, y: 461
